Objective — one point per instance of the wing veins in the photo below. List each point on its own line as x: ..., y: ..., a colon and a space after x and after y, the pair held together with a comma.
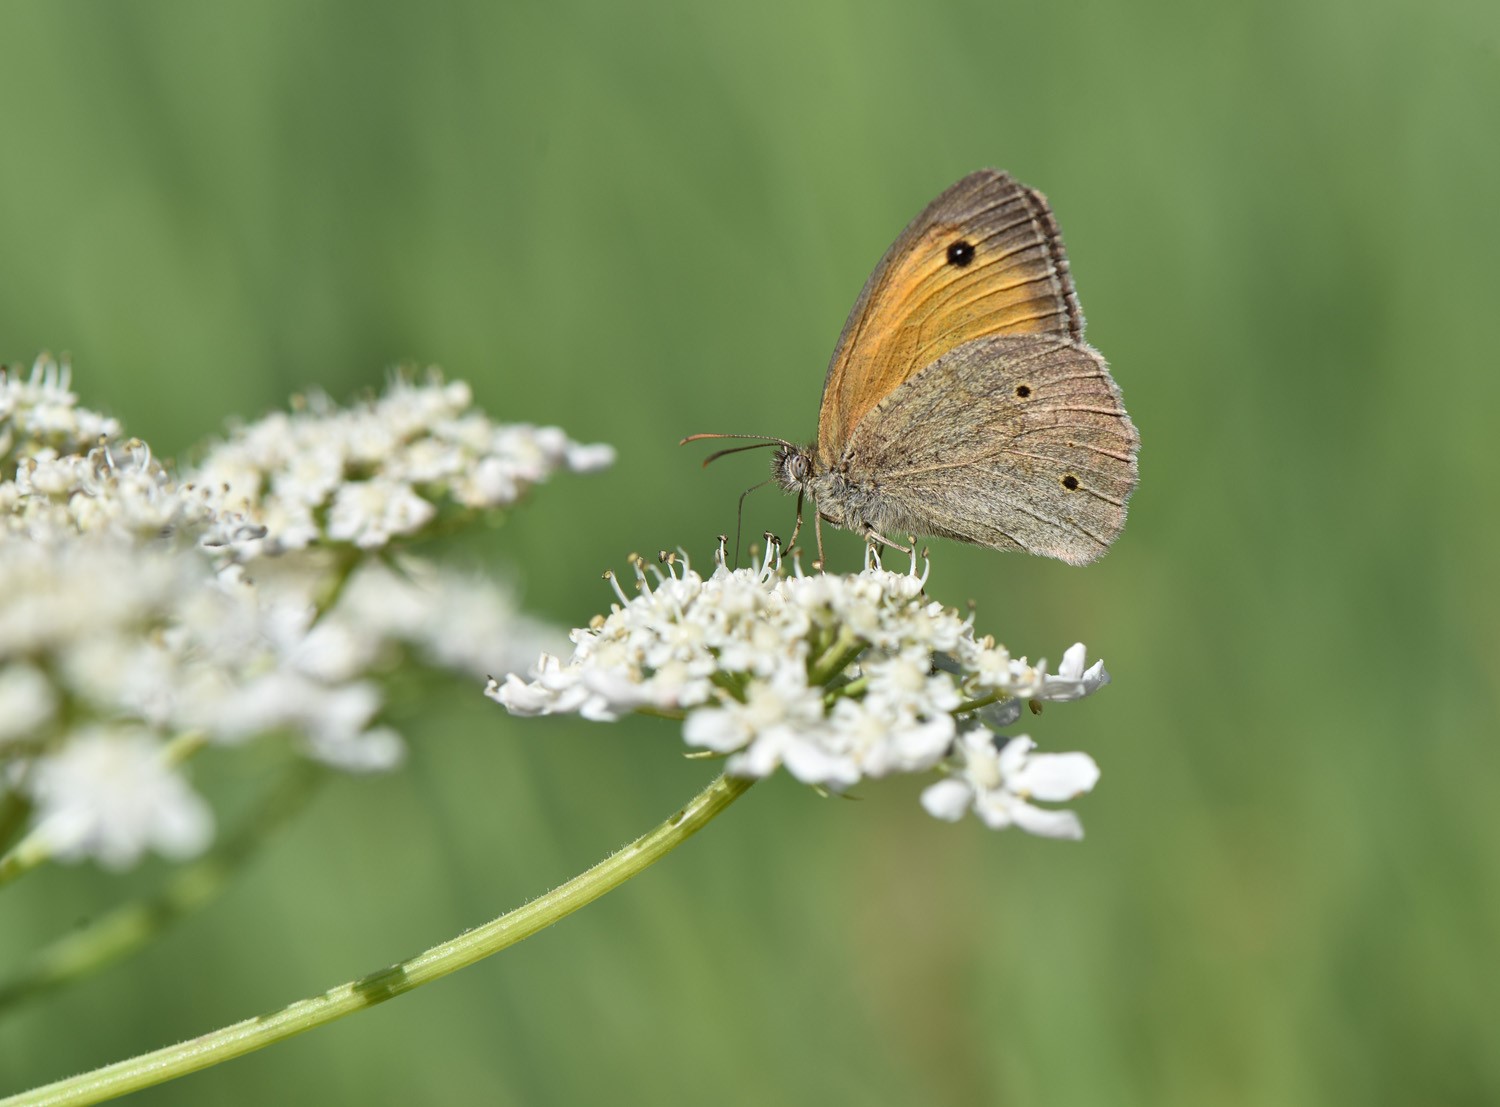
x: 1077, y: 446
x: 1115, y: 413
x: 947, y: 285
x: 951, y: 306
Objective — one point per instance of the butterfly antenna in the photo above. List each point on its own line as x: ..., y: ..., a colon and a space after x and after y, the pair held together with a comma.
x: 767, y: 438
x: 760, y: 440
x: 735, y: 450
x: 739, y: 517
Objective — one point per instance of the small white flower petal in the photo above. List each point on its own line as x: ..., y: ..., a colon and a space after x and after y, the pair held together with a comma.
x: 590, y: 458
x: 759, y: 761
x: 594, y: 708
x: 1056, y: 777
x: 377, y: 750
x: 27, y: 701
x: 715, y: 729
x: 520, y: 697
x: 1046, y: 823
x: 810, y: 762
x: 1072, y: 662
x: 948, y: 799
x: 1013, y: 755
x: 1072, y: 680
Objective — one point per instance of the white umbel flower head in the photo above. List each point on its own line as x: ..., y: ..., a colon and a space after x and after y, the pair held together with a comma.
x: 132, y: 628
x: 385, y: 469
x: 835, y: 678
x: 117, y: 489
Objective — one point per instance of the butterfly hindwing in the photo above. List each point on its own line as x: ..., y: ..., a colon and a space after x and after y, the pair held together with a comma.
x: 1013, y: 442
x: 984, y: 258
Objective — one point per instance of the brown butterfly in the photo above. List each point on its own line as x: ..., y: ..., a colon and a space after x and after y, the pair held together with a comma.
x: 961, y: 400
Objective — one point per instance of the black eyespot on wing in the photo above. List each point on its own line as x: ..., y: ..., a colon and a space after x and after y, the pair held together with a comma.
x: 1070, y: 482
x: 960, y: 253
x: 1023, y: 391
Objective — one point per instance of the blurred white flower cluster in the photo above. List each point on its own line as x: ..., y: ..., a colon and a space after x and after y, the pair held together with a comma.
x: 382, y: 469
x: 119, y: 489
x: 835, y: 677
x: 38, y: 411
x: 143, y: 616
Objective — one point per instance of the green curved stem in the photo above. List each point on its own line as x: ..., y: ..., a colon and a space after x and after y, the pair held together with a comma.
x: 256, y: 1033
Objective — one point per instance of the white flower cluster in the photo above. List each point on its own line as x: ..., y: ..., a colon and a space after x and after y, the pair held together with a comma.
x: 835, y: 677
x: 38, y: 411
x: 141, y: 619
x: 409, y: 609
x: 383, y: 469
x: 116, y: 488
x: 109, y: 649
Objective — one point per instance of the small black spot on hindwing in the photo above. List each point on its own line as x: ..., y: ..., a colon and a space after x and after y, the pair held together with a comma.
x: 1023, y: 391
x: 1070, y: 482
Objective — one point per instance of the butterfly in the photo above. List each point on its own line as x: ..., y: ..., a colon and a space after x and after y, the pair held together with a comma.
x: 961, y: 400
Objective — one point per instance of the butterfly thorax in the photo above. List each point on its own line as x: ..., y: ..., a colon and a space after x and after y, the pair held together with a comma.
x: 838, y: 498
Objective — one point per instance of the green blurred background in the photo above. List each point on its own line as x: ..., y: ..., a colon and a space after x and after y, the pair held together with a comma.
x: 642, y: 221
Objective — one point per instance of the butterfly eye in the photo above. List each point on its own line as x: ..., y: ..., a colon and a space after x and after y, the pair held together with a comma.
x: 960, y: 253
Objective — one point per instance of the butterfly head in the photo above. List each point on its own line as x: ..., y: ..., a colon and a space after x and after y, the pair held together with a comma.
x: 792, y: 468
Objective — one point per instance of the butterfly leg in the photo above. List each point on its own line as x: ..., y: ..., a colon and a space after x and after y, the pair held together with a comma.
x: 871, y: 535
x: 818, y: 530
x: 796, y: 530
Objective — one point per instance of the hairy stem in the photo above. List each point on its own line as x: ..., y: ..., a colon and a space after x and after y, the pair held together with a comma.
x: 162, y: 1065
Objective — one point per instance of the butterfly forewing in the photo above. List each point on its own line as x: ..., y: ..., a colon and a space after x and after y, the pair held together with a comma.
x: 983, y: 259
x: 1014, y: 442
